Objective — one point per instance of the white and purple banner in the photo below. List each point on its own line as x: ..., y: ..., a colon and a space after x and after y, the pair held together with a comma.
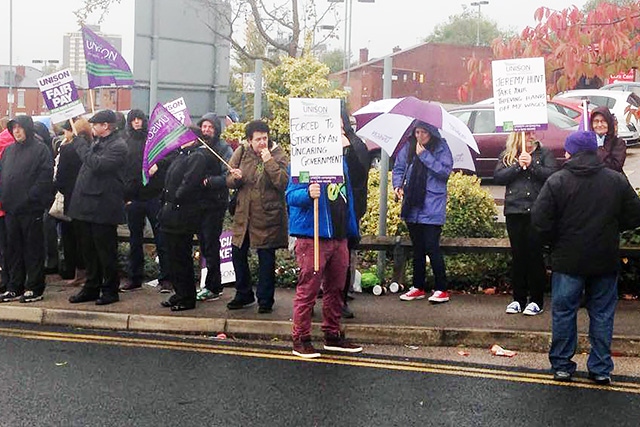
x: 61, y: 96
x: 520, y: 94
x: 226, y: 262
x: 316, y: 140
x: 179, y: 109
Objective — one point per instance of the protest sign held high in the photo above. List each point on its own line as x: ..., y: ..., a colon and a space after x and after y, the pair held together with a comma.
x: 165, y: 134
x: 61, y: 96
x: 520, y: 94
x: 105, y: 65
x: 179, y: 109
x: 316, y: 144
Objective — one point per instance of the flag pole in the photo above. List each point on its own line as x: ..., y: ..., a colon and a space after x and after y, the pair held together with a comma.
x: 93, y: 111
x: 524, y: 145
x: 216, y: 154
x: 316, y: 236
x: 73, y: 127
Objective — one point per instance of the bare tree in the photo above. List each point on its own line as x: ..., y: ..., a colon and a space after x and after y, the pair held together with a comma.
x: 282, y: 24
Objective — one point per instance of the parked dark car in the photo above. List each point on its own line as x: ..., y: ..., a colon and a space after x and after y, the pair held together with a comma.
x: 481, y: 120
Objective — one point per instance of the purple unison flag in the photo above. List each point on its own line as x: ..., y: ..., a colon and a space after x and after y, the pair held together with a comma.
x: 165, y: 134
x: 105, y: 65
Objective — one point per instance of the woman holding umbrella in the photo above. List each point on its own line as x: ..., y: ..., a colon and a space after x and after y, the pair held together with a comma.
x: 419, y: 177
x: 523, y: 168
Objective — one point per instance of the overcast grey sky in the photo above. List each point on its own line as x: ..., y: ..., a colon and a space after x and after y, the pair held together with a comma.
x: 39, y: 25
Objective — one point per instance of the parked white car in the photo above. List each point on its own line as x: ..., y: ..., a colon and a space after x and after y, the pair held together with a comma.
x: 617, y: 102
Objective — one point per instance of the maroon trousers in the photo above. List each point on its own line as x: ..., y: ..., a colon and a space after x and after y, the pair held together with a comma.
x: 334, y: 264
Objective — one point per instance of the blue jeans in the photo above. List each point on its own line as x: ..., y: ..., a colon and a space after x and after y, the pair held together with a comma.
x: 266, y: 274
x: 137, y: 211
x: 602, y: 296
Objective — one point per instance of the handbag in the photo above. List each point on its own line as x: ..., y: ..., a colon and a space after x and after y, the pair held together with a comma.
x: 57, y: 208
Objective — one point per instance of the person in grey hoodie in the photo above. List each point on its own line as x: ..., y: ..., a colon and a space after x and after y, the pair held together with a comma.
x: 214, y: 203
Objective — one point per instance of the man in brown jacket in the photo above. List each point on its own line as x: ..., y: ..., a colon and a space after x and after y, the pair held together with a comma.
x: 259, y: 172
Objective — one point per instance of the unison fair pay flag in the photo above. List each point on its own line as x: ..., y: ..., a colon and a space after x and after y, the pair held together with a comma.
x: 165, y: 134
x: 61, y: 96
x: 105, y: 65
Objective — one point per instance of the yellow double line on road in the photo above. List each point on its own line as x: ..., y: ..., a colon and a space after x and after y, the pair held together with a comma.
x: 367, y: 362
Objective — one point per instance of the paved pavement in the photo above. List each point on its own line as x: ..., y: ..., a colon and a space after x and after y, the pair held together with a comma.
x: 469, y: 320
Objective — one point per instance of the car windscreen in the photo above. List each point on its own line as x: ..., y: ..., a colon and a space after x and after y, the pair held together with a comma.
x: 560, y: 120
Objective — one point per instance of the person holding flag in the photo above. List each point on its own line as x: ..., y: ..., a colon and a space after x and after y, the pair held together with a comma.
x: 180, y: 217
x: 142, y: 202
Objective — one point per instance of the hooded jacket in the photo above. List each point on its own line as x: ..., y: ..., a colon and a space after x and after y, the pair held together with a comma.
x: 614, y: 151
x: 523, y: 185
x: 217, y: 194
x: 6, y: 139
x: 136, y: 140
x: 26, y: 172
x: 580, y: 213
x: 181, y: 211
x: 439, y: 163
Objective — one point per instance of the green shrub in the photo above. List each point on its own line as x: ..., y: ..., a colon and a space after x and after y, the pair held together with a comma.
x: 471, y: 212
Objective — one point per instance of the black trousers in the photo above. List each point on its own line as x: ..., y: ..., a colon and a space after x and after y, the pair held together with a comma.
x: 25, y: 252
x: 528, y: 272
x: 209, y: 238
x: 51, y: 260
x: 3, y: 252
x: 100, y: 250
x: 71, y: 248
x: 179, y: 251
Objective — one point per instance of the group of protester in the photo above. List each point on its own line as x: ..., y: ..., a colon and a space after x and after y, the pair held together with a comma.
x: 97, y: 169
x: 577, y: 212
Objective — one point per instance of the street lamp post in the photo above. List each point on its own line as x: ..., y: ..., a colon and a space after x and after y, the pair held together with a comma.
x: 348, y: 9
x: 479, y: 4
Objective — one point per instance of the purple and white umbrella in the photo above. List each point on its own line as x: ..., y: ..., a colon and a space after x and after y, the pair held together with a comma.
x: 389, y: 123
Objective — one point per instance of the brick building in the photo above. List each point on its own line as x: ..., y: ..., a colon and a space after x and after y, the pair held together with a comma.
x: 27, y: 98
x: 428, y: 71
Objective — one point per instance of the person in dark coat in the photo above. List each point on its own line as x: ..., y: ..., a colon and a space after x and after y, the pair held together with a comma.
x: 26, y: 192
x: 51, y: 259
x: 612, y: 150
x: 214, y: 202
x: 6, y: 139
x: 580, y: 213
x: 524, y: 173
x: 356, y: 155
x: 142, y: 202
x: 98, y: 206
x: 180, y: 218
x: 68, y: 168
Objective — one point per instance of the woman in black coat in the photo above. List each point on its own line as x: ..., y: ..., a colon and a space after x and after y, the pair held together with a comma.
x: 67, y: 169
x: 524, y: 173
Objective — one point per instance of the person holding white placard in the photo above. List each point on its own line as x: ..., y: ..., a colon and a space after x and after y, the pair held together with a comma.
x: 524, y: 172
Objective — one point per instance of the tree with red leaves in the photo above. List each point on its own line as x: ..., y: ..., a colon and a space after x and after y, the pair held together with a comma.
x: 574, y: 44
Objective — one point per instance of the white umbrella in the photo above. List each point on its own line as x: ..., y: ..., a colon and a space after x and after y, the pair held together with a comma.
x: 389, y: 123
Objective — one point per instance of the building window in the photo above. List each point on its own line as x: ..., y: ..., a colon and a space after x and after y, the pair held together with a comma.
x: 21, y: 98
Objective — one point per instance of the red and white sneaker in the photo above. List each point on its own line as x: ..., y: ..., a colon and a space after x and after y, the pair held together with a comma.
x: 414, y: 293
x: 439, y: 296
